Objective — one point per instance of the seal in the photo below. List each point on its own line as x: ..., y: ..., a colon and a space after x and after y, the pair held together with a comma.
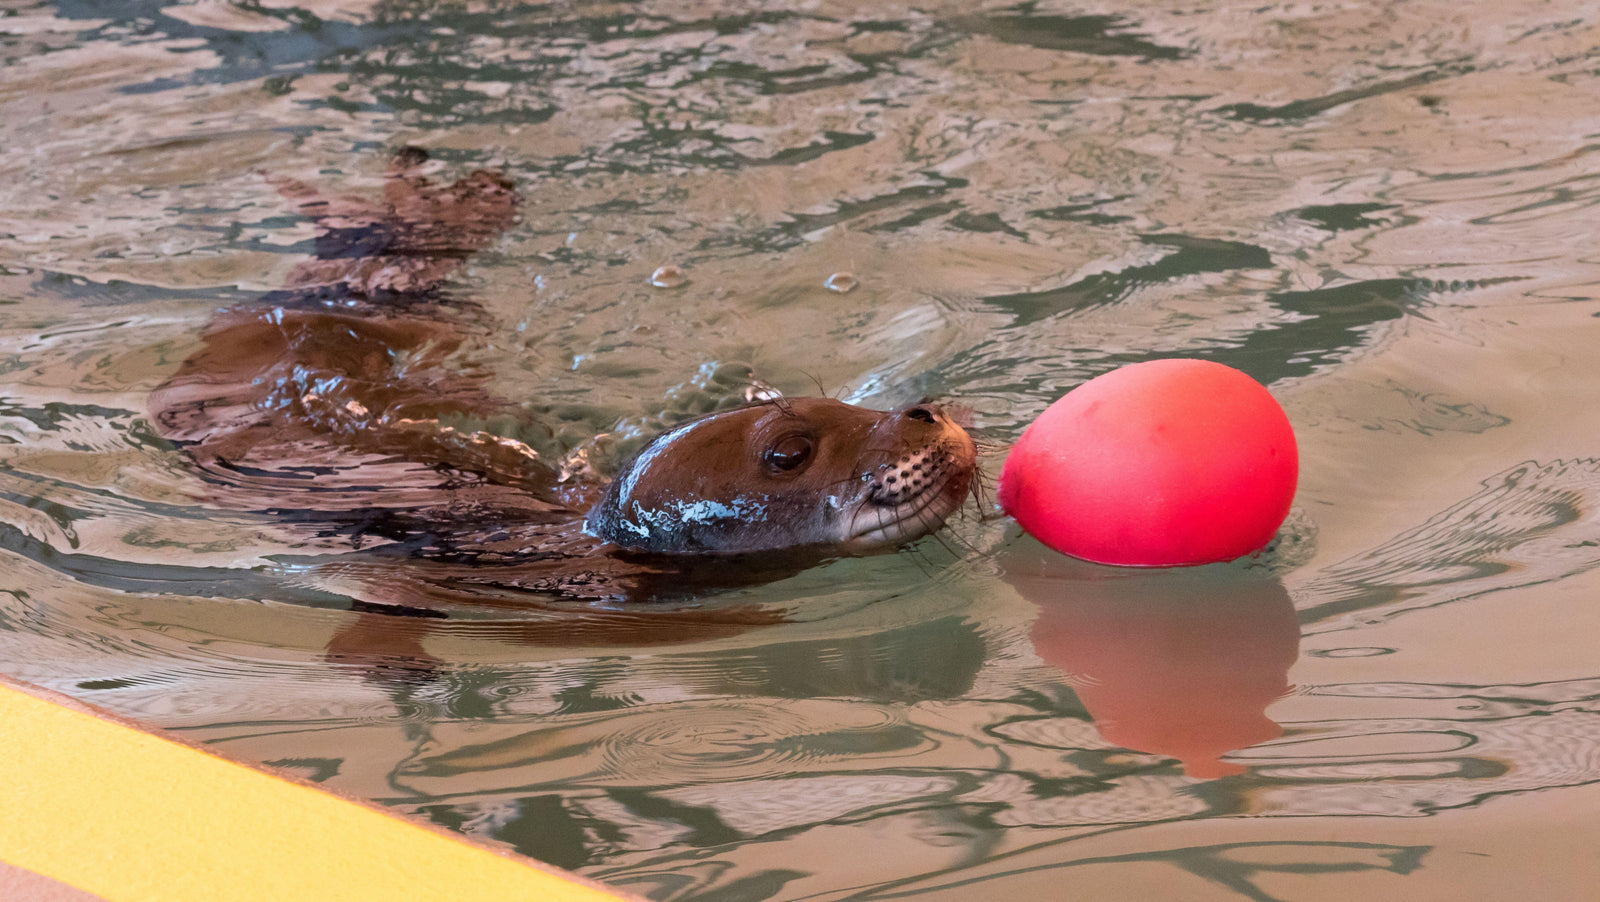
x: 339, y: 403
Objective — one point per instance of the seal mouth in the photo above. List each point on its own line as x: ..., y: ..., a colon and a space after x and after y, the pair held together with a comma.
x: 910, y: 498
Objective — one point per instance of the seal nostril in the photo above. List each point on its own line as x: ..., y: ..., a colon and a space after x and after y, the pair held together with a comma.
x: 921, y: 413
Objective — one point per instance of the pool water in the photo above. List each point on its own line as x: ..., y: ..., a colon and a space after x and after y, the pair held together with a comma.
x: 1383, y: 211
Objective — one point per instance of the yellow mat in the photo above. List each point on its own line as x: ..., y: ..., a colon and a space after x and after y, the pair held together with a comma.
x: 128, y: 816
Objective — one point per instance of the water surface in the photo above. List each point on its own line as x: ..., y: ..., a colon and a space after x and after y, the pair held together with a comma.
x: 1384, y: 211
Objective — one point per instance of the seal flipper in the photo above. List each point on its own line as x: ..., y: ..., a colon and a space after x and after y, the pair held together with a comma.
x: 357, y: 350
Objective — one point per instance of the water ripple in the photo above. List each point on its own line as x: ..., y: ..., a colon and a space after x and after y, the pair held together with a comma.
x: 1375, y: 208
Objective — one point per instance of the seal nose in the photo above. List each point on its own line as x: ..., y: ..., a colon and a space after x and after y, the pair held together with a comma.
x: 922, y: 413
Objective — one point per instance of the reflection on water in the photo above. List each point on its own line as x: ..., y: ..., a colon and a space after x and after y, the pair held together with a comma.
x: 1175, y: 664
x: 1384, y: 210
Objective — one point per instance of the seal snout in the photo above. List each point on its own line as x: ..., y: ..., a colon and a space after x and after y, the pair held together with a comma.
x: 907, y: 478
x: 921, y: 476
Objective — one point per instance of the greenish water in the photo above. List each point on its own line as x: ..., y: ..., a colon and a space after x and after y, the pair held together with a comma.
x: 1384, y: 211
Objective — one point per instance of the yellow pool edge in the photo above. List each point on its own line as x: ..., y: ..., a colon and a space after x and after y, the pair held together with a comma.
x: 94, y: 802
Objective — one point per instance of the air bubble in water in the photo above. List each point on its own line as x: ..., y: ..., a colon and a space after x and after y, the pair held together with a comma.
x: 841, y: 282
x: 668, y: 276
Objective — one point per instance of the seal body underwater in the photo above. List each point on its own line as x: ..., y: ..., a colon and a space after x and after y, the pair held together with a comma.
x: 335, y: 402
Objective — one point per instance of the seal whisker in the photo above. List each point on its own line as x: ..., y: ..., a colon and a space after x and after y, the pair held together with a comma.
x: 967, y: 546
x: 979, y: 489
x: 822, y: 390
x: 945, y: 544
x: 924, y: 562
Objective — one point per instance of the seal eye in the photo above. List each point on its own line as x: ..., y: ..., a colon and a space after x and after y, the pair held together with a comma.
x: 788, y: 453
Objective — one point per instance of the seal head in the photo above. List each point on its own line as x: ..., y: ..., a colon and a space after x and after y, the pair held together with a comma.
x: 790, y: 474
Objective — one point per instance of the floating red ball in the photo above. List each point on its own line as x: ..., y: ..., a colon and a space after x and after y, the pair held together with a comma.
x: 1159, y: 464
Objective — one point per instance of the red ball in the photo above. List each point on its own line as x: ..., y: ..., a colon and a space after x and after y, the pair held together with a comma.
x: 1160, y: 464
